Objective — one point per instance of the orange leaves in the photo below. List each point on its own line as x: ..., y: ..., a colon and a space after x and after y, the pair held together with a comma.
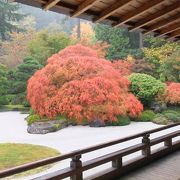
x: 87, y: 33
x: 92, y: 98
x: 123, y: 67
x: 134, y: 107
x: 77, y: 50
x: 173, y: 93
x: 79, y: 85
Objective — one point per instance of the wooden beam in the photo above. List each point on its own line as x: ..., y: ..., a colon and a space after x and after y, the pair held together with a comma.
x: 111, y: 10
x: 85, y: 5
x: 50, y: 4
x: 162, y: 23
x: 132, y: 14
x: 155, y: 16
x: 168, y: 29
x: 174, y: 34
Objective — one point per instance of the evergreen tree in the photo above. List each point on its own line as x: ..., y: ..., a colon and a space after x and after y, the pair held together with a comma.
x: 9, y: 18
x: 3, y: 85
x: 122, y: 43
x: 18, y: 79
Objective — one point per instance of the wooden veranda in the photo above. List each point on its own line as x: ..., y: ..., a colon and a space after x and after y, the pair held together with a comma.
x: 160, y: 17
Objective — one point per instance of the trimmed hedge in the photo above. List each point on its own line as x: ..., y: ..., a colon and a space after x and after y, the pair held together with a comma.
x: 145, y: 87
x: 160, y: 119
x: 147, y: 115
x: 122, y: 121
x: 35, y: 118
x: 172, y: 115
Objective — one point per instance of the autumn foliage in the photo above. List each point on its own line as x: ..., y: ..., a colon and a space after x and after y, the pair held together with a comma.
x: 87, y: 38
x: 173, y: 93
x: 78, y: 84
x: 123, y: 67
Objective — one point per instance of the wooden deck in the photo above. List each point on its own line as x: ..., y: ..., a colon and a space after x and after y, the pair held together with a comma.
x: 167, y: 168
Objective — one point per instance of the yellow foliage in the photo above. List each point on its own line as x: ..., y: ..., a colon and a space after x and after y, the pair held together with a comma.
x: 87, y: 38
x: 161, y: 54
x: 15, y: 50
x: 130, y: 58
x: 86, y: 33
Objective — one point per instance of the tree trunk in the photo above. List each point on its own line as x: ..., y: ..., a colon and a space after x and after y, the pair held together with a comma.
x: 140, y: 40
x: 78, y: 28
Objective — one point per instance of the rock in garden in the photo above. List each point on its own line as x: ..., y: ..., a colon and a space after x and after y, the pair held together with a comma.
x: 97, y: 123
x: 158, y: 108
x: 46, y: 126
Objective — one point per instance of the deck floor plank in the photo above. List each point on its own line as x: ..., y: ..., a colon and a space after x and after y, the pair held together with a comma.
x: 167, y: 168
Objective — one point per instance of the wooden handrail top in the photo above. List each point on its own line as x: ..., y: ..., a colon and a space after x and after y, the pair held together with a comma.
x: 106, y: 158
x: 57, y: 174
x: 164, y: 137
x: 51, y: 160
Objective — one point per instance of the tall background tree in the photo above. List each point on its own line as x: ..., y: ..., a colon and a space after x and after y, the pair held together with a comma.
x: 15, y: 50
x: 121, y: 42
x: 9, y: 18
x: 44, y: 44
x: 3, y: 85
x: 18, y: 80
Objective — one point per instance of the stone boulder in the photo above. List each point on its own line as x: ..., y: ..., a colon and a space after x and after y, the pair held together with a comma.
x: 158, y: 108
x: 44, y: 127
x: 97, y: 123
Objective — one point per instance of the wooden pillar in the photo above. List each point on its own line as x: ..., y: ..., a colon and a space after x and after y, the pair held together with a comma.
x: 77, y: 165
x: 147, y: 150
x: 117, y: 163
x: 168, y: 143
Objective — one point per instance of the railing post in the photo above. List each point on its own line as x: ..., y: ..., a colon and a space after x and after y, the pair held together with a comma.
x: 147, y: 150
x: 117, y: 163
x: 76, y: 164
x: 168, y: 143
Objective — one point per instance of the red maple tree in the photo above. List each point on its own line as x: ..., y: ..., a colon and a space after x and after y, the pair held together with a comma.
x: 78, y: 84
x: 123, y: 67
x: 173, y: 93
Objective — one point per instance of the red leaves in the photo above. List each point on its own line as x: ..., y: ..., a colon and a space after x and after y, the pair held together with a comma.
x: 79, y: 85
x: 173, y: 93
x: 77, y: 50
x: 133, y: 106
x: 88, y: 99
x: 123, y: 67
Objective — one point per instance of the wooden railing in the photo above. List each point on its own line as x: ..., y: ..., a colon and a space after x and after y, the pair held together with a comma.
x: 77, y: 167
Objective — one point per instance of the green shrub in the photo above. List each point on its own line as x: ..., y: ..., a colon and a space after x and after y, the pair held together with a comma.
x: 147, y: 115
x: 57, y: 126
x: 175, y: 111
x: 160, y: 119
x: 3, y: 100
x: 33, y: 118
x: 145, y: 87
x: 18, y: 98
x: 84, y: 122
x: 26, y: 103
x: 172, y: 115
x: 122, y: 121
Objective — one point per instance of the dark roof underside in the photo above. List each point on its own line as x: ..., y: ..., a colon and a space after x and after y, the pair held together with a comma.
x: 162, y: 17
